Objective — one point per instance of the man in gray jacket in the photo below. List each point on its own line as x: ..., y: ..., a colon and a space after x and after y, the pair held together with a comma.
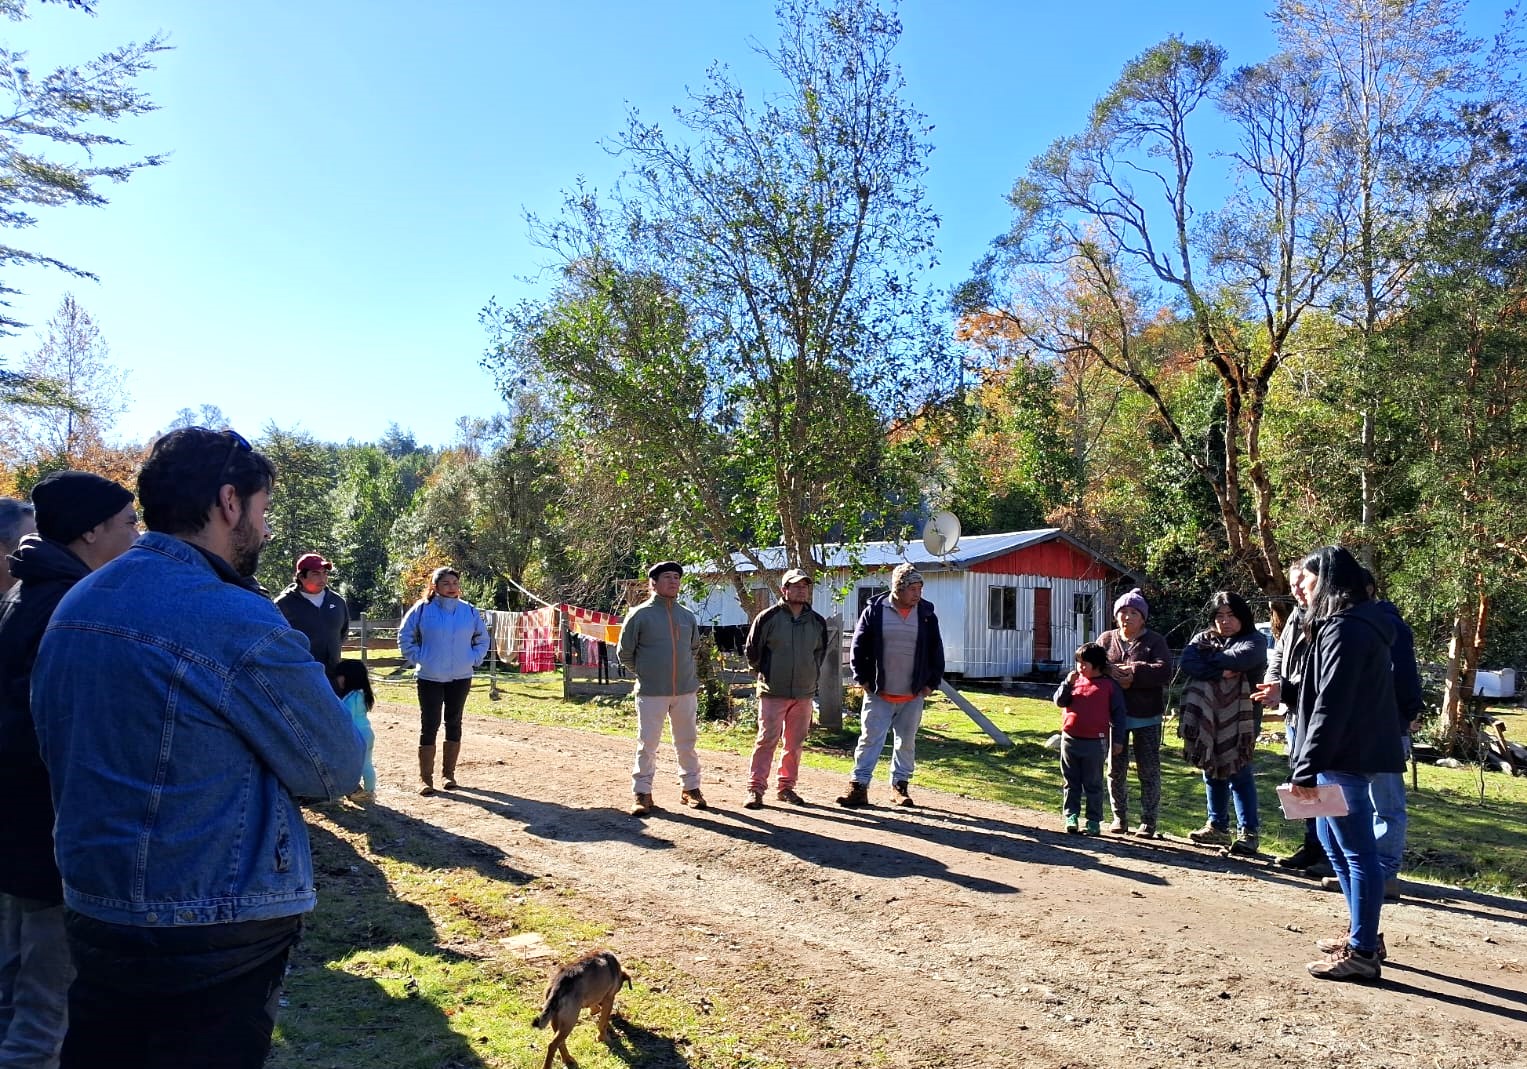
x: 658, y: 641
x: 785, y: 647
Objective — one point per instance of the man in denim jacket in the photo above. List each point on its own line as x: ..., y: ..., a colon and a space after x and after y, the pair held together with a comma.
x: 180, y: 718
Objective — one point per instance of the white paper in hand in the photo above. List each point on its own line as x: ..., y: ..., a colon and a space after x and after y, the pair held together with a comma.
x: 1329, y: 802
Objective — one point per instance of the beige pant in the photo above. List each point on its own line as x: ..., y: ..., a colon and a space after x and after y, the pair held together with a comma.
x: 680, y: 711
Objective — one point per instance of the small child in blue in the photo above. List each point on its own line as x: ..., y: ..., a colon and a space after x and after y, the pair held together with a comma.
x: 1094, y: 706
x: 353, y: 685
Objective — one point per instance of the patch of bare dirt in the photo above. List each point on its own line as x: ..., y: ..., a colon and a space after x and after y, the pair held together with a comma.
x: 968, y: 933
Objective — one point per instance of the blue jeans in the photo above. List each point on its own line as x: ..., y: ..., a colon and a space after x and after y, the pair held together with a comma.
x: 1354, y: 854
x: 35, y: 972
x: 901, y: 719
x: 1388, y: 791
x: 1243, y: 786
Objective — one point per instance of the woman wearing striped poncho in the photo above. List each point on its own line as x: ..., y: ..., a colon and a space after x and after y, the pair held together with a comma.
x: 1218, y: 723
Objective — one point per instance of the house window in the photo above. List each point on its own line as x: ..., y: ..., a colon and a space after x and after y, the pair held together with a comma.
x: 1002, y: 608
x: 866, y: 593
x: 1082, y: 606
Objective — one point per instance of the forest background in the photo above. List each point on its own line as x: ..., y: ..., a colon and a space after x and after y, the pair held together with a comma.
x: 1241, y: 312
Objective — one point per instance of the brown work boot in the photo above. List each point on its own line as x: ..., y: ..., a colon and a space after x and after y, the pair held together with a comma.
x: 900, y: 794
x: 858, y: 797
x: 426, y: 770
x: 448, y: 764
x: 1347, y: 964
x: 787, y: 794
x: 755, y: 800
x: 694, y: 798
x: 643, y: 805
x: 1331, y: 946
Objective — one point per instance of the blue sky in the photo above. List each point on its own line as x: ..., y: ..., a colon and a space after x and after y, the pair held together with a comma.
x: 349, y: 179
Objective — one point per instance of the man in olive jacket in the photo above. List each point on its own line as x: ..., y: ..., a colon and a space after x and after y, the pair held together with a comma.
x: 785, y: 647
x: 658, y: 641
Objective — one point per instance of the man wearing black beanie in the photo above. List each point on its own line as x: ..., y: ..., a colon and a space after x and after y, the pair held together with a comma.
x: 83, y: 521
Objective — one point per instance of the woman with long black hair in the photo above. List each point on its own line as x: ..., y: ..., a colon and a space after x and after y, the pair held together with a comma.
x: 1347, y: 731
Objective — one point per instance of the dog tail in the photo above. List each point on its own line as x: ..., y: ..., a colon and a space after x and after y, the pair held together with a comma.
x: 625, y: 978
x: 542, y: 1019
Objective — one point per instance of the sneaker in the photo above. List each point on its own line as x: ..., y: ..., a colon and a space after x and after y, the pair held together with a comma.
x: 694, y: 798
x: 787, y: 794
x: 643, y: 805
x: 755, y: 800
x: 1347, y: 964
x: 1209, y: 835
x: 899, y: 793
x: 858, y: 797
x: 1331, y: 946
x: 1147, y: 831
x: 1119, y: 826
x: 1094, y: 828
x: 1073, y: 824
x: 1245, y: 845
x: 1308, y: 854
x: 1330, y: 883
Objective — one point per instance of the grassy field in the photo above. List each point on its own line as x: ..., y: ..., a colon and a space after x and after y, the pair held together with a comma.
x: 1454, y: 837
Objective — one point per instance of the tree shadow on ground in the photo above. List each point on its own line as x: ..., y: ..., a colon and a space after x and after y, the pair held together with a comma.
x: 561, y: 823
x: 333, y: 1017
x: 1516, y: 1001
x: 395, y: 834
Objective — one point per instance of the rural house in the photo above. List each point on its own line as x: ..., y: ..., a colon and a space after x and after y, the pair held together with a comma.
x: 1005, y: 601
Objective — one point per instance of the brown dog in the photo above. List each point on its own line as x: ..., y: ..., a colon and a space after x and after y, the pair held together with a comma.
x: 592, y: 980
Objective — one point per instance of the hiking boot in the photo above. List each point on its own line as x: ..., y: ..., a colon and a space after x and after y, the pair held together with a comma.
x: 1073, y: 823
x: 1331, y: 946
x: 1321, y: 870
x: 1308, y: 854
x: 1147, y: 831
x: 1209, y: 835
x: 1347, y: 964
x: 694, y: 798
x: 858, y: 797
x: 643, y: 805
x: 1119, y: 826
x: 755, y: 800
x: 787, y: 794
x: 899, y: 793
x: 1094, y: 828
x: 1245, y: 845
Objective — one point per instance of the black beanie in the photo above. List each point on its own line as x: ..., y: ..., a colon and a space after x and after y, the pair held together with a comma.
x: 69, y: 503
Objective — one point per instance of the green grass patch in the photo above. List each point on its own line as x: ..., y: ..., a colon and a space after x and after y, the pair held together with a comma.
x: 409, y: 963
x: 1454, y: 836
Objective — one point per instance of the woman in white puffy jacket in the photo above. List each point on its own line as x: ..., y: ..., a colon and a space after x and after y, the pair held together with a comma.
x: 447, y: 639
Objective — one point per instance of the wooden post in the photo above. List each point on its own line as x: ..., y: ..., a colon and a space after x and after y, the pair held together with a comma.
x: 567, y: 660
x: 363, y: 638
x: 963, y: 704
x: 830, y: 679
x: 493, y: 691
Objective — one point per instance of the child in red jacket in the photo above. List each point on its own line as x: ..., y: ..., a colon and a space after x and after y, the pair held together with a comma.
x: 1094, y: 706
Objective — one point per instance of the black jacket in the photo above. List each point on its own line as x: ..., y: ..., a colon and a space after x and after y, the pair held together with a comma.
x: 324, y: 625
x: 46, y: 571
x: 1346, y: 715
x: 866, y: 650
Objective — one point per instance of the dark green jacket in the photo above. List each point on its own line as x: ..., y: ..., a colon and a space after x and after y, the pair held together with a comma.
x: 786, y: 651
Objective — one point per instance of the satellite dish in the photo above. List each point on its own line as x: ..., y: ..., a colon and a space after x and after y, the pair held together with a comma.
x: 941, y: 534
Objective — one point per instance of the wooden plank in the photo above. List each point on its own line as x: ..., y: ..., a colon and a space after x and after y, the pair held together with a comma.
x: 963, y: 704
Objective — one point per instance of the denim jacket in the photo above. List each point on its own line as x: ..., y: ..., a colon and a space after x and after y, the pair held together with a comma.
x: 180, y: 718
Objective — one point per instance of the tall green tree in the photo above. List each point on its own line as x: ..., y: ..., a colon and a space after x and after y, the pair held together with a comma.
x: 302, y: 507
x: 54, y: 144
x: 759, y: 273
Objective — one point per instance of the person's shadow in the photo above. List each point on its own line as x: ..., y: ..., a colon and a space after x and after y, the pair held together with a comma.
x: 330, y: 1016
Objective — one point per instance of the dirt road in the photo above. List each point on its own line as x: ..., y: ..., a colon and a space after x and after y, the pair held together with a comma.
x: 969, y: 933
